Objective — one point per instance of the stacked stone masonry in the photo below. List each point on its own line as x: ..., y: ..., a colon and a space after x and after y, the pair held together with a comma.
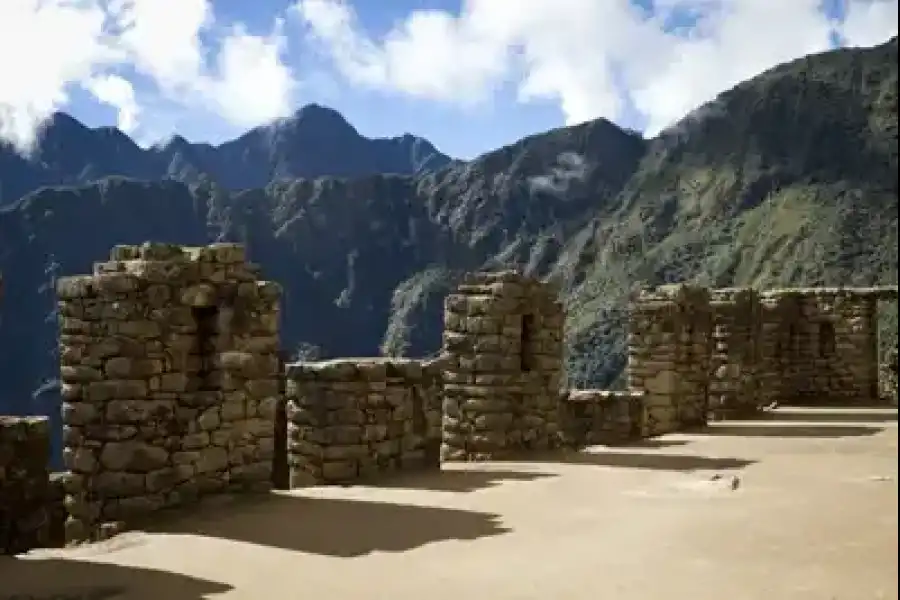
x: 169, y: 382
x: 503, y: 342
x: 820, y: 345
x: 354, y: 419
x: 735, y: 353
x: 600, y: 417
x: 669, y: 348
x: 174, y: 387
x: 24, y: 484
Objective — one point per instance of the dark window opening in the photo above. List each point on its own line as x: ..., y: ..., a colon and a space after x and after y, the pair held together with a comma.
x: 525, y: 350
x: 827, y: 341
x: 689, y: 343
x: 207, y: 319
x: 792, y: 345
x: 668, y: 326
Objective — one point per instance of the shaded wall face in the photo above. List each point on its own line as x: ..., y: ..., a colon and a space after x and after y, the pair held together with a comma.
x: 503, y: 342
x: 591, y: 417
x: 734, y: 366
x: 169, y: 379
x: 825, y: 348
x: 354, y: 419
x: 24, y: 484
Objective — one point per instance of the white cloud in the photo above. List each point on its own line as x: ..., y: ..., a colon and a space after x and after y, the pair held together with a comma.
x: 65, y: 43
x: 118, y: 93
x: 592, y: 57
x: 253, y: 86
x: 45, y: 45
x: 870, y: 22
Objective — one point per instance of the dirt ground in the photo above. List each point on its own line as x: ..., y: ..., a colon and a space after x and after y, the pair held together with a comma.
x: 813, y: 516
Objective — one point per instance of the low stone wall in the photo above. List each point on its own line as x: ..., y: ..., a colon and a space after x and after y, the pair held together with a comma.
x: 24, y: 484
x: 822, y: 345
x: 888, y: 380
x: 353, y: 419
x: 589, y: 417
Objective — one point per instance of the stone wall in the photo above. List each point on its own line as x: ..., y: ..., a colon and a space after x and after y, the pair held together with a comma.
x: 669, y: 348
x: 820, y: 345
x: 735, y: 350
x: 169, y: 381
x: 24, y: 484
x: 354, y: 419
x: 608, y: 417
x: 503, y: 343
x: 888, y: 377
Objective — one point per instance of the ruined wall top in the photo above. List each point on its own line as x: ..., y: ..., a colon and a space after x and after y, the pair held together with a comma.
x: 502, y: 283
x: 368, y: 368
x: 685, y: 293
x: 151, y: 251
x: 206, y: 274
x: 883, y: 292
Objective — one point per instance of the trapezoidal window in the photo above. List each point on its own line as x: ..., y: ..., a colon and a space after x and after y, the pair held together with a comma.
x: 526, y: 352
x: 207, y: 319
x: 688, y: 343
x: 827, y: 341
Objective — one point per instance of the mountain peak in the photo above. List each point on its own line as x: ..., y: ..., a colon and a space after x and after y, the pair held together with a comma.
x: 317, y: 120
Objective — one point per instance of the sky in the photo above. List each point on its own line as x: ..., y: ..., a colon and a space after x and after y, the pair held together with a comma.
x: 468, y: 75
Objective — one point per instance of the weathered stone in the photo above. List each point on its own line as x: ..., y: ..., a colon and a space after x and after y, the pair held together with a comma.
x: 24, y: 484
x: 149, y: 411
x: 342, y: 413
x: 500, y: 389
x: 132, y: 456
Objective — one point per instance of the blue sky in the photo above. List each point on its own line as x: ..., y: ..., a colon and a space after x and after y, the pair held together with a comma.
x: 457, y: 132
x: 534, y: 64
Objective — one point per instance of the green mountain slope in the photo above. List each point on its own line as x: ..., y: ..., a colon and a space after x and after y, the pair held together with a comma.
x: 790, y: 178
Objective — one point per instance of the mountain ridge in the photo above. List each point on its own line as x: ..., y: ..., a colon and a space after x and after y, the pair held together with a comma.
x: 315, y: 141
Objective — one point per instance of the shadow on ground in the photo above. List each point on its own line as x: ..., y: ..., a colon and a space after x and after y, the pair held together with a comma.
x: 454, y: 481
x: 822, y: 415
x: 757, y: 429
x: 638, y: 460
x: 57, y: 579
x: 333, y: 526
x: 653, y: 444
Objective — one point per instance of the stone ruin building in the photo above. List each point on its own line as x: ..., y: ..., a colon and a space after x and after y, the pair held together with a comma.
x: 174, y: 388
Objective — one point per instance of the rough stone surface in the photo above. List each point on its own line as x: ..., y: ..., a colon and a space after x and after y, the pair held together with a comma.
x: 594, y: 417
x: 503, y: 343
x: 24, y: 484
x: 169, y: 374
x: 174, y: 387
x: 819, y: 346
x: 735, y: 353
x: 354, y: 419
x: 669, y: 353
x: 888, y: 374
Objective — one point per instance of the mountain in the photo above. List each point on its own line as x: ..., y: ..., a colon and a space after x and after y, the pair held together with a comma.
x: 789, y: 178
x: 316, y: 141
